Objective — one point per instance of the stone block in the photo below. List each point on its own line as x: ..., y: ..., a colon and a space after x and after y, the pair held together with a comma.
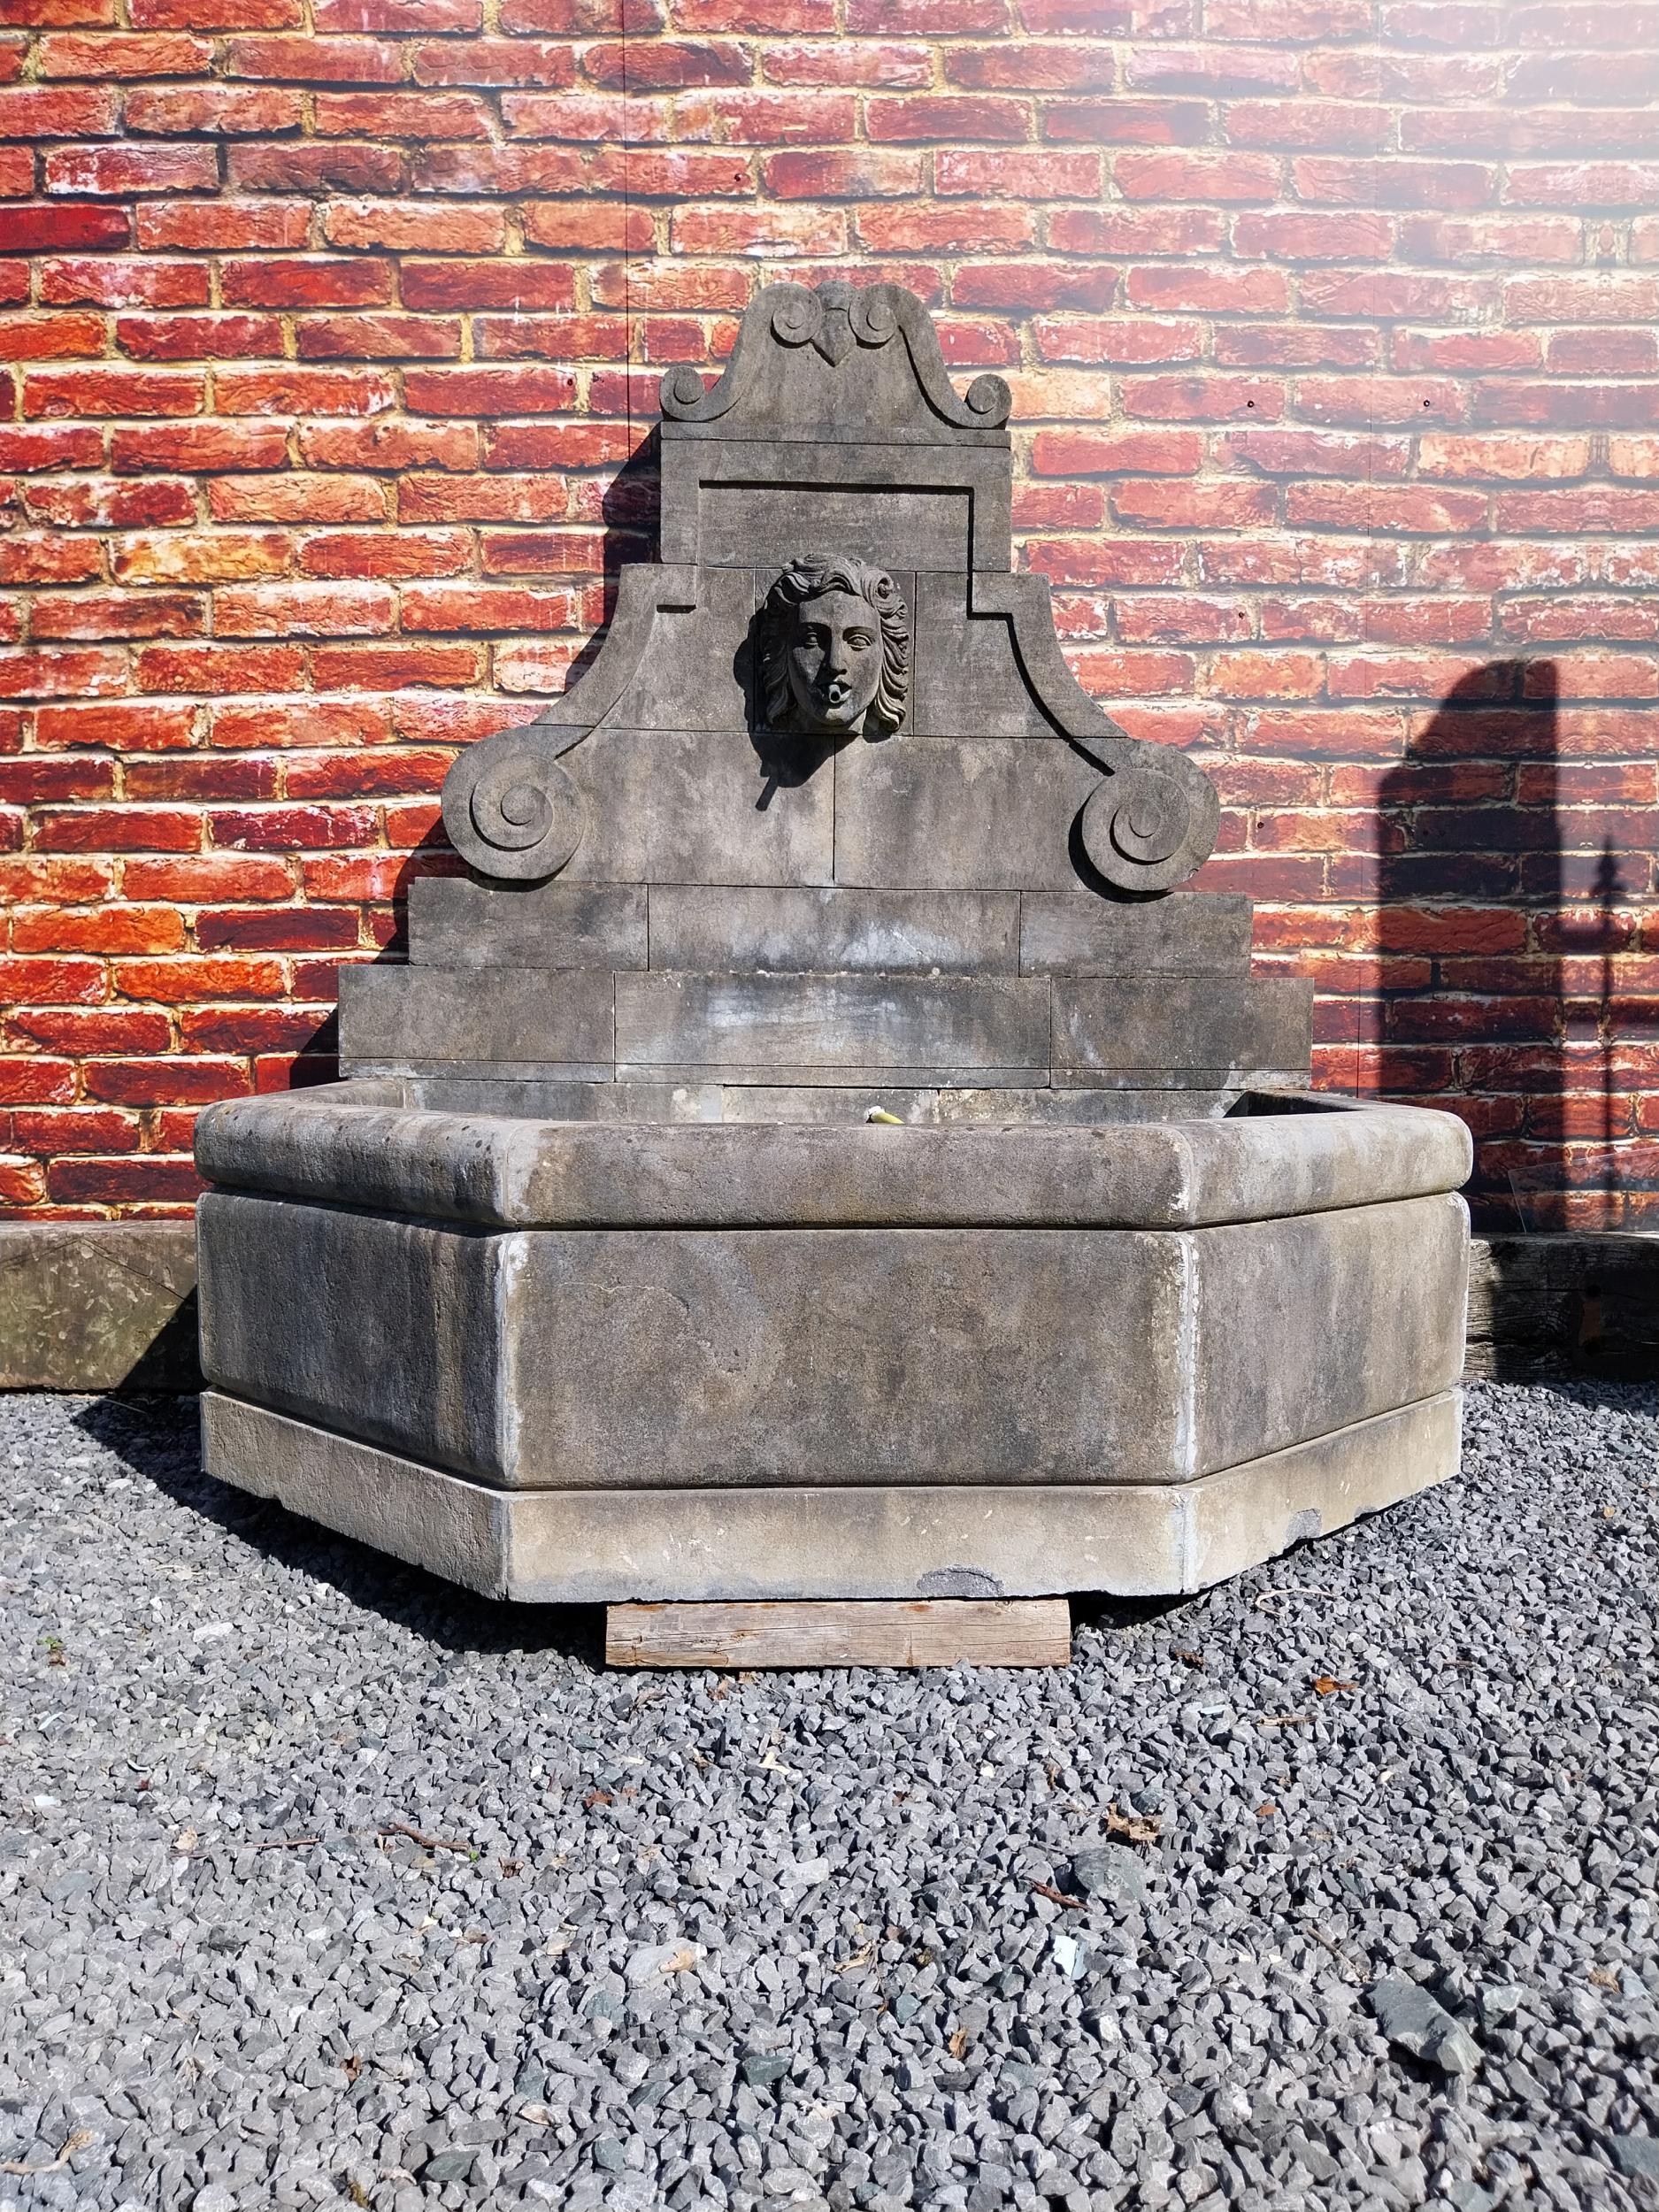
x: 765, y: 1024
x: 969, y: 680
x: 699, y: 806
x: 635, y: 1358
x: 694, y: 674
x: 1109, y: 1028
x: 1184, y: 933
x: 392, y: 1017
x: 553, y: 1547
x: 97, y: 1305
x: 699, y: 929
x: 458, y: 922
x: 981, y: 814
x: 1306, y: 1155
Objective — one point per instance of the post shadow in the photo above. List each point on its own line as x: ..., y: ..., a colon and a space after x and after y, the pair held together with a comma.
x: 1470, y: 893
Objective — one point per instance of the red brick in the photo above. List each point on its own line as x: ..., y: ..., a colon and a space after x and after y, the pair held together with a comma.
x: 350, y: 722
x: 313, y: 282
x: 31, y: 111
x: 379, y: 337
x: 126, y: 726
x: 31, y: 557
x: 669, y: 64
x: 955, y: 120
x: 224, y: 225
x: 298, y: 497
x: 389, y: 667
x: 198, y: 337
x: 887, y: 65
x: 1030, y: 65
x: 389, y: 444
x: 118, y: 614
x: 540, y: 389
x: 109, y: 502
x: 495, y: 61
x: 333, y: 16
x: 55, y: 227
x: 404, y: 552
x: 233, y: 111
x: 607, y: 228
x: 120, y: 170
x: 956, y: 227
x: 98, y: 390
x: 1203, y: 398
x: 111, y: 54
x: 212, y: 668
x: 1032, y: 285
x: 30, y: 1081
x: 511, y: 286
x: 314, y: 165
x: 173, y: 1082
x: 1126, y: 122
x: 309, y: 60
x: 55, y: 675
x: 204, y: 446
x: 126, y: 283
x: 402, y: 227
x: 583, y: 118
x: 25, y: 448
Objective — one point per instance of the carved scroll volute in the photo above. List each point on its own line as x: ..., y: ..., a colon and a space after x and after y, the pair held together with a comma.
x: 511, y: 810
x: 1152, y: 822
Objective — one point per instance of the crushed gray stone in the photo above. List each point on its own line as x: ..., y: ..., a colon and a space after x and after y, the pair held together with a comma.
x: 324, y: 1883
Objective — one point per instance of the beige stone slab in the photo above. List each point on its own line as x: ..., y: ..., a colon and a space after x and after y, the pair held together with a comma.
x: 1113, y: 1026
x: 400, y: 1017
x: 456, y: 922
x: 673, y: 1546
x: 688, y: 806
x: 697, y: 929
x: 1186, y: 933
x: 863, y: 1022
x: 1305, y: 1155
x: 101, y: 1305
x: 841, y: 1632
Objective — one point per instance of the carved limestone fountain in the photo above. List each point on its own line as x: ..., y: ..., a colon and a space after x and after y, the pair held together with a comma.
x: 816, y: 1153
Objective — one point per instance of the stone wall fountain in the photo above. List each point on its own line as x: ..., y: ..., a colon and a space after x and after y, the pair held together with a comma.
x: 596, y: 1280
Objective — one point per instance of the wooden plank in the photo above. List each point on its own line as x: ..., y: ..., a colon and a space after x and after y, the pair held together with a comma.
x: 870, y: 1632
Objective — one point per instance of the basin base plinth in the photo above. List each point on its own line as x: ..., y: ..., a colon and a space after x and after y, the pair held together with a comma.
x: 935, y: 1541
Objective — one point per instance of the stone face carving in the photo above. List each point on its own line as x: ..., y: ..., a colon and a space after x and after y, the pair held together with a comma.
x: 833, y: 424
x: 834, y: 650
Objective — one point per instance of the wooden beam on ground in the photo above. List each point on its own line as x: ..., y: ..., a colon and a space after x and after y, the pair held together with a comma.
x: 864, y: 1632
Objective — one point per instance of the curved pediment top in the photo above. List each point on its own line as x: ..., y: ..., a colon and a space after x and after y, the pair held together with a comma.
x: 857, y: 359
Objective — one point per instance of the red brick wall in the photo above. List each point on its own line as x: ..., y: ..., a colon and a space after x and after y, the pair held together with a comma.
x: 328, y: 323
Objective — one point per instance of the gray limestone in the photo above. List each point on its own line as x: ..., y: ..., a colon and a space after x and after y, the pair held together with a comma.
x: 816, y: 1149
x: 554, y: 1546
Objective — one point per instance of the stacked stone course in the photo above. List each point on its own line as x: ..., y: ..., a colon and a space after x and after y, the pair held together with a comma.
x: 331, y: 327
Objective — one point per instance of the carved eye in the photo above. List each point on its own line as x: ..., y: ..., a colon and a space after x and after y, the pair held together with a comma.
x: 861, y: 640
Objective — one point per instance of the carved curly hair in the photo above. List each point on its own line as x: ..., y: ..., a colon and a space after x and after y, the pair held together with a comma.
x: 808, y: 577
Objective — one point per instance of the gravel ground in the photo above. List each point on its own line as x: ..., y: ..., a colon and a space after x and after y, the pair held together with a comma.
x: 322, y: 1883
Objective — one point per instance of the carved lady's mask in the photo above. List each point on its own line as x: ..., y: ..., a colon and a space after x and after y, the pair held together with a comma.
x: 835, y: 658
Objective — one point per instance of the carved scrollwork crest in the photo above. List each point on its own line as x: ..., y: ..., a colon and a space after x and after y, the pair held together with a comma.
x: 1152, y: 822
x: 511, y: 809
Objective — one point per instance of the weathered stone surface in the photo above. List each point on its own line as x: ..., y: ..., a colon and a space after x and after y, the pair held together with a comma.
x: 1106, y: 1028
x: 392, y: 1017
x: 979, y: 814
x: 699, y: 929
x: 969, y: 681
x: 567, y: 1357
x: 454, y: 922
x: 97, y: 1306
x: 767, y: 1023
x: 1186, y: 933
x: 699, y: 806
x: 597, y: 1547
x: 1309, y: 1155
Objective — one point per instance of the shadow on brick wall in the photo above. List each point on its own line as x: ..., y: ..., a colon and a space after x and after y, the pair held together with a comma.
x: 1503, y: 909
